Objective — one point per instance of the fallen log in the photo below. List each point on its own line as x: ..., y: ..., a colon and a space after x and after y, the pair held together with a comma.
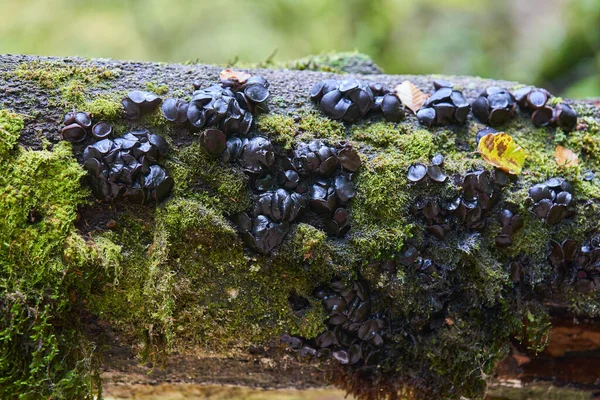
x: 180, y: 289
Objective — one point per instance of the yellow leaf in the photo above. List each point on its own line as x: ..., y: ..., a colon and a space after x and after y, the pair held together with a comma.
x: 500, y: 150
x: 565, y: 157
x: 411, y: 96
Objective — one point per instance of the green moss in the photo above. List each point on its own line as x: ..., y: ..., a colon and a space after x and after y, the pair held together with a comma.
x: 199, y: 175
x: 187, y: 277
x: 72, y: 82
x: 104, y: 107
x: 11, y: 125
x: 154, y: 87
x: 379, y: 209
x: 54, y: 74
x: 46, y: 270
x: 284, y: 131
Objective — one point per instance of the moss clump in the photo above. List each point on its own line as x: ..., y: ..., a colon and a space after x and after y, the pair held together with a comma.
x: 285, y: 131
x: 46, y: 271
x: 104, y: 107
x: 201, y: 176
x: 71, y: 81
x: 54, y: 74
x: 11, y: 125
x: 154, y: 87
x: 187, y: 277
x: 379, y: 223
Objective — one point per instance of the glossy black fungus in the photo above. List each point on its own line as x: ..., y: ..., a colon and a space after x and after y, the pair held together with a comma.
x: 213, y: 141
x: 494, y: 106
x: 315, y: 178
x: 138, y: 103
x: 257, y: 154
x: 442, y: 83
x: 261, y: 233
x: 77, y: 124
x: 417, y: 172
x: 101, y: 130
x: 354, y: 336
x: 552, y: 200
x: 256, y: 89
x: 316, y: 158
x: 426, y: 116
x: 175, y: 110
x: 219, y: 107
x: 73, y: 133
x: 480, y: 193
x: 535, y: 101
x: 347, y: 100
x: 349, y: 158
x: 565, y: 117
x: 279, y: 205
x: 392, y: 108
x: 510, y: 223
x: 127, y: 167
x: 445, y: 106
x: 578, y: 265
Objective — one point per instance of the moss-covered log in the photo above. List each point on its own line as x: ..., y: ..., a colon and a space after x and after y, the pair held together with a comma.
x: 170, y: 292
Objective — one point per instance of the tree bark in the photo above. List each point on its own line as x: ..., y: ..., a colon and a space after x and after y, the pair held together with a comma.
x: 572, y: 357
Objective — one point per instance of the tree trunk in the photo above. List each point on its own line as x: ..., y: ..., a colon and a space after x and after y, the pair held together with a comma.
x: 195, y: 341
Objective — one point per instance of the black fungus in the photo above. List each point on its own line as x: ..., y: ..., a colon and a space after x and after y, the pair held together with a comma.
x: 510, y: 223
x: 346, y: 100
x: 354, y: 336
x: 417, y: 172
x: 494, y: 106
x: 535, y: 100
x: 445, y: 106
x: 127, y: 167
x: 138, y: 103
x: 175, y: 110
x: 77, y: 125
x: 552, y: 200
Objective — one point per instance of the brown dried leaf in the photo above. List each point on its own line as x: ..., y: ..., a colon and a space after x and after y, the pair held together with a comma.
x: 565, y: 157
x: 411, y: 96
x: 231, y: 75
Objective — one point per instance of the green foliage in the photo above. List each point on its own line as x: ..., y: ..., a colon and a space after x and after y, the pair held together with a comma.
x: 11, y: 125
x: 46, y: 268
x: 284, y: 131
x: 199, y: 175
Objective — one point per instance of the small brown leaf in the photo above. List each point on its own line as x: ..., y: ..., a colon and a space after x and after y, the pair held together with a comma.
x: 411, y: 96
x: 231, y: 75
x: 565, y: 157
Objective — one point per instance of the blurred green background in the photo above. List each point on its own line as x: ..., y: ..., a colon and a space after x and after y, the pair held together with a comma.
x: 551, y: 43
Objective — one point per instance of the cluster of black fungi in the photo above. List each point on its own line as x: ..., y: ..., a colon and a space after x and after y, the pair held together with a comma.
x: 227, y: 107
x: 445, y: 106
x: 354, y: 336
x: 552, y: 200
x: 480, y: 192
x: 124, y: 167
x: 350, y: 99
x: 577, y: 265
x: 315, y: 177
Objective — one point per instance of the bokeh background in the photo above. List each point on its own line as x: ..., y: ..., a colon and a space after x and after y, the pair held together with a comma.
x: 550, y: 43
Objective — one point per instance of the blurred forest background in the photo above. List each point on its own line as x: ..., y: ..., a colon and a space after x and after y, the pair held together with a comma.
x: 550, y: 43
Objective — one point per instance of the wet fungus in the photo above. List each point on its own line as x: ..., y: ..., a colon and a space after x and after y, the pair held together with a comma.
x: 445, y: 106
